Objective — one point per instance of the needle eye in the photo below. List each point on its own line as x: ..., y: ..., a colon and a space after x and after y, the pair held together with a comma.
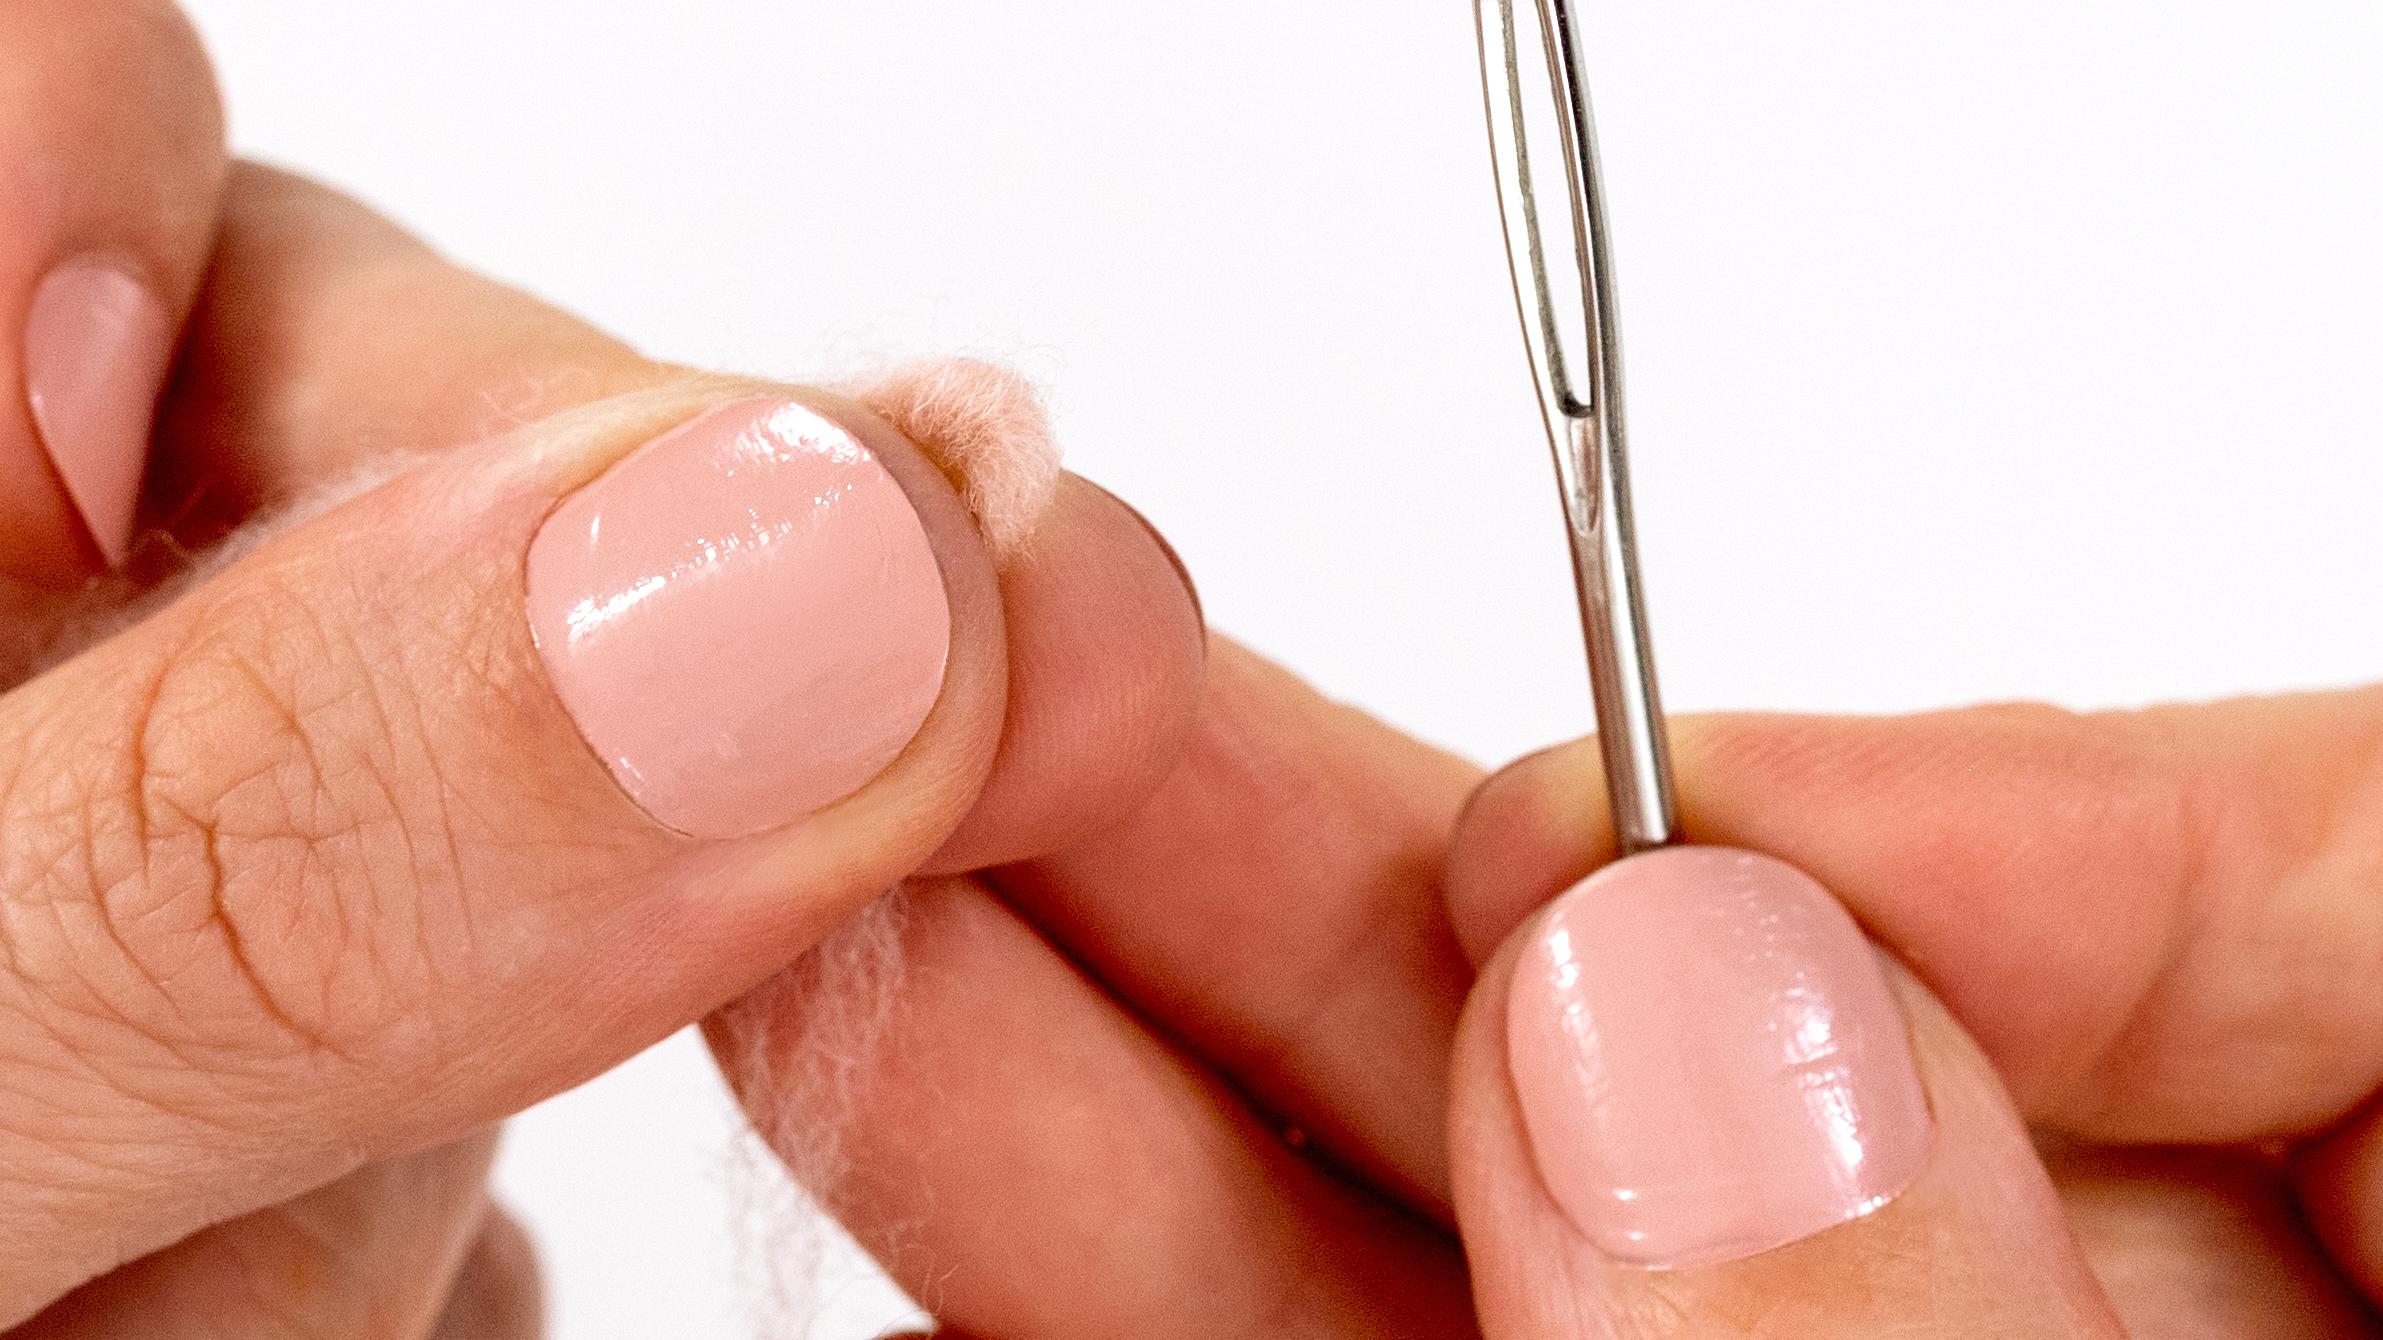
x: 1544, y: 145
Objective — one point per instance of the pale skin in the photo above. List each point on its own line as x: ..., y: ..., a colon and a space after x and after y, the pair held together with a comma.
x: 1196, y: 1034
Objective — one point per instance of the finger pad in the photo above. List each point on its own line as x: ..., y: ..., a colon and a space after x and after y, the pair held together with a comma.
x: 1106, y: 657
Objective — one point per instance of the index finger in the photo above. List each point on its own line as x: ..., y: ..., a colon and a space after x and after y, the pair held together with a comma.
x: 2163, y: 926
x: 379, y: 655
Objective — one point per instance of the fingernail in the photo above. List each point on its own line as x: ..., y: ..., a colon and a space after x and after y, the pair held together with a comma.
x: 1709, y: 1060
x: 97, y: 344
x: 744, y: 618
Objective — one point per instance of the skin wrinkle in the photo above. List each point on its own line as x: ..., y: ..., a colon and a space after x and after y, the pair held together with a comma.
x: 103, y: 1011
x: 419, y: 874
x: 290, y: 809
x: 968, y: 421
x: 220, y: 917
x: 109, y: 920
x: 116, y: 927
x: 221, y: 898
x: 444, y: 795
x: 214, y: 865
x: 130, y: 929
x: 87, y: 1152
x: 73, y: 1057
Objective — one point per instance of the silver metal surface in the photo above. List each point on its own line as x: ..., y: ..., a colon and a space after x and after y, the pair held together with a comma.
x: 1546, y: 153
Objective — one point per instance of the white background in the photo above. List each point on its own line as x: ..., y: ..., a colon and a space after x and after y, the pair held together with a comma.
x: 2023, y: 349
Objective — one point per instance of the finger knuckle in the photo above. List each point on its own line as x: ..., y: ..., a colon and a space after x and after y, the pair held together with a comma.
x: 257, y: 867
x: 282, y: 775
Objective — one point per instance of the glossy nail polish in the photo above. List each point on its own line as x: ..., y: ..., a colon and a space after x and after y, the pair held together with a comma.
x: 1709, y: 1060
x: 97, y: 344
x: 744, y: 618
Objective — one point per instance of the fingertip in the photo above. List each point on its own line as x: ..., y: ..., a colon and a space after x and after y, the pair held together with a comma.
x: 1533, y: 829
x: 1712, y: 1158
x: 1104, y: 665
x: 1107, y: 655
x: 96, y: 344
x: 111, y: 137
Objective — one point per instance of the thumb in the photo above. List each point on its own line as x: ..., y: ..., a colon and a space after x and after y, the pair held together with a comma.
x: 474, y: 786
x: 1692, y: 1100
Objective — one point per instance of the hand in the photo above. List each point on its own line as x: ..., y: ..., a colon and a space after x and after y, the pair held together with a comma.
x: 417, y: 807
x: 2156, y: 939
x: 1187, y: 1079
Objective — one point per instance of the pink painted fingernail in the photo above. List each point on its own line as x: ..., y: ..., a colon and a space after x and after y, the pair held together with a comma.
x: 1709, y: 1060
x: 745, y: 618
x: 97, y: 344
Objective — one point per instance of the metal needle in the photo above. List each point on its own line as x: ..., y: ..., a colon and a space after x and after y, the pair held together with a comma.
x: 1544, y: 144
